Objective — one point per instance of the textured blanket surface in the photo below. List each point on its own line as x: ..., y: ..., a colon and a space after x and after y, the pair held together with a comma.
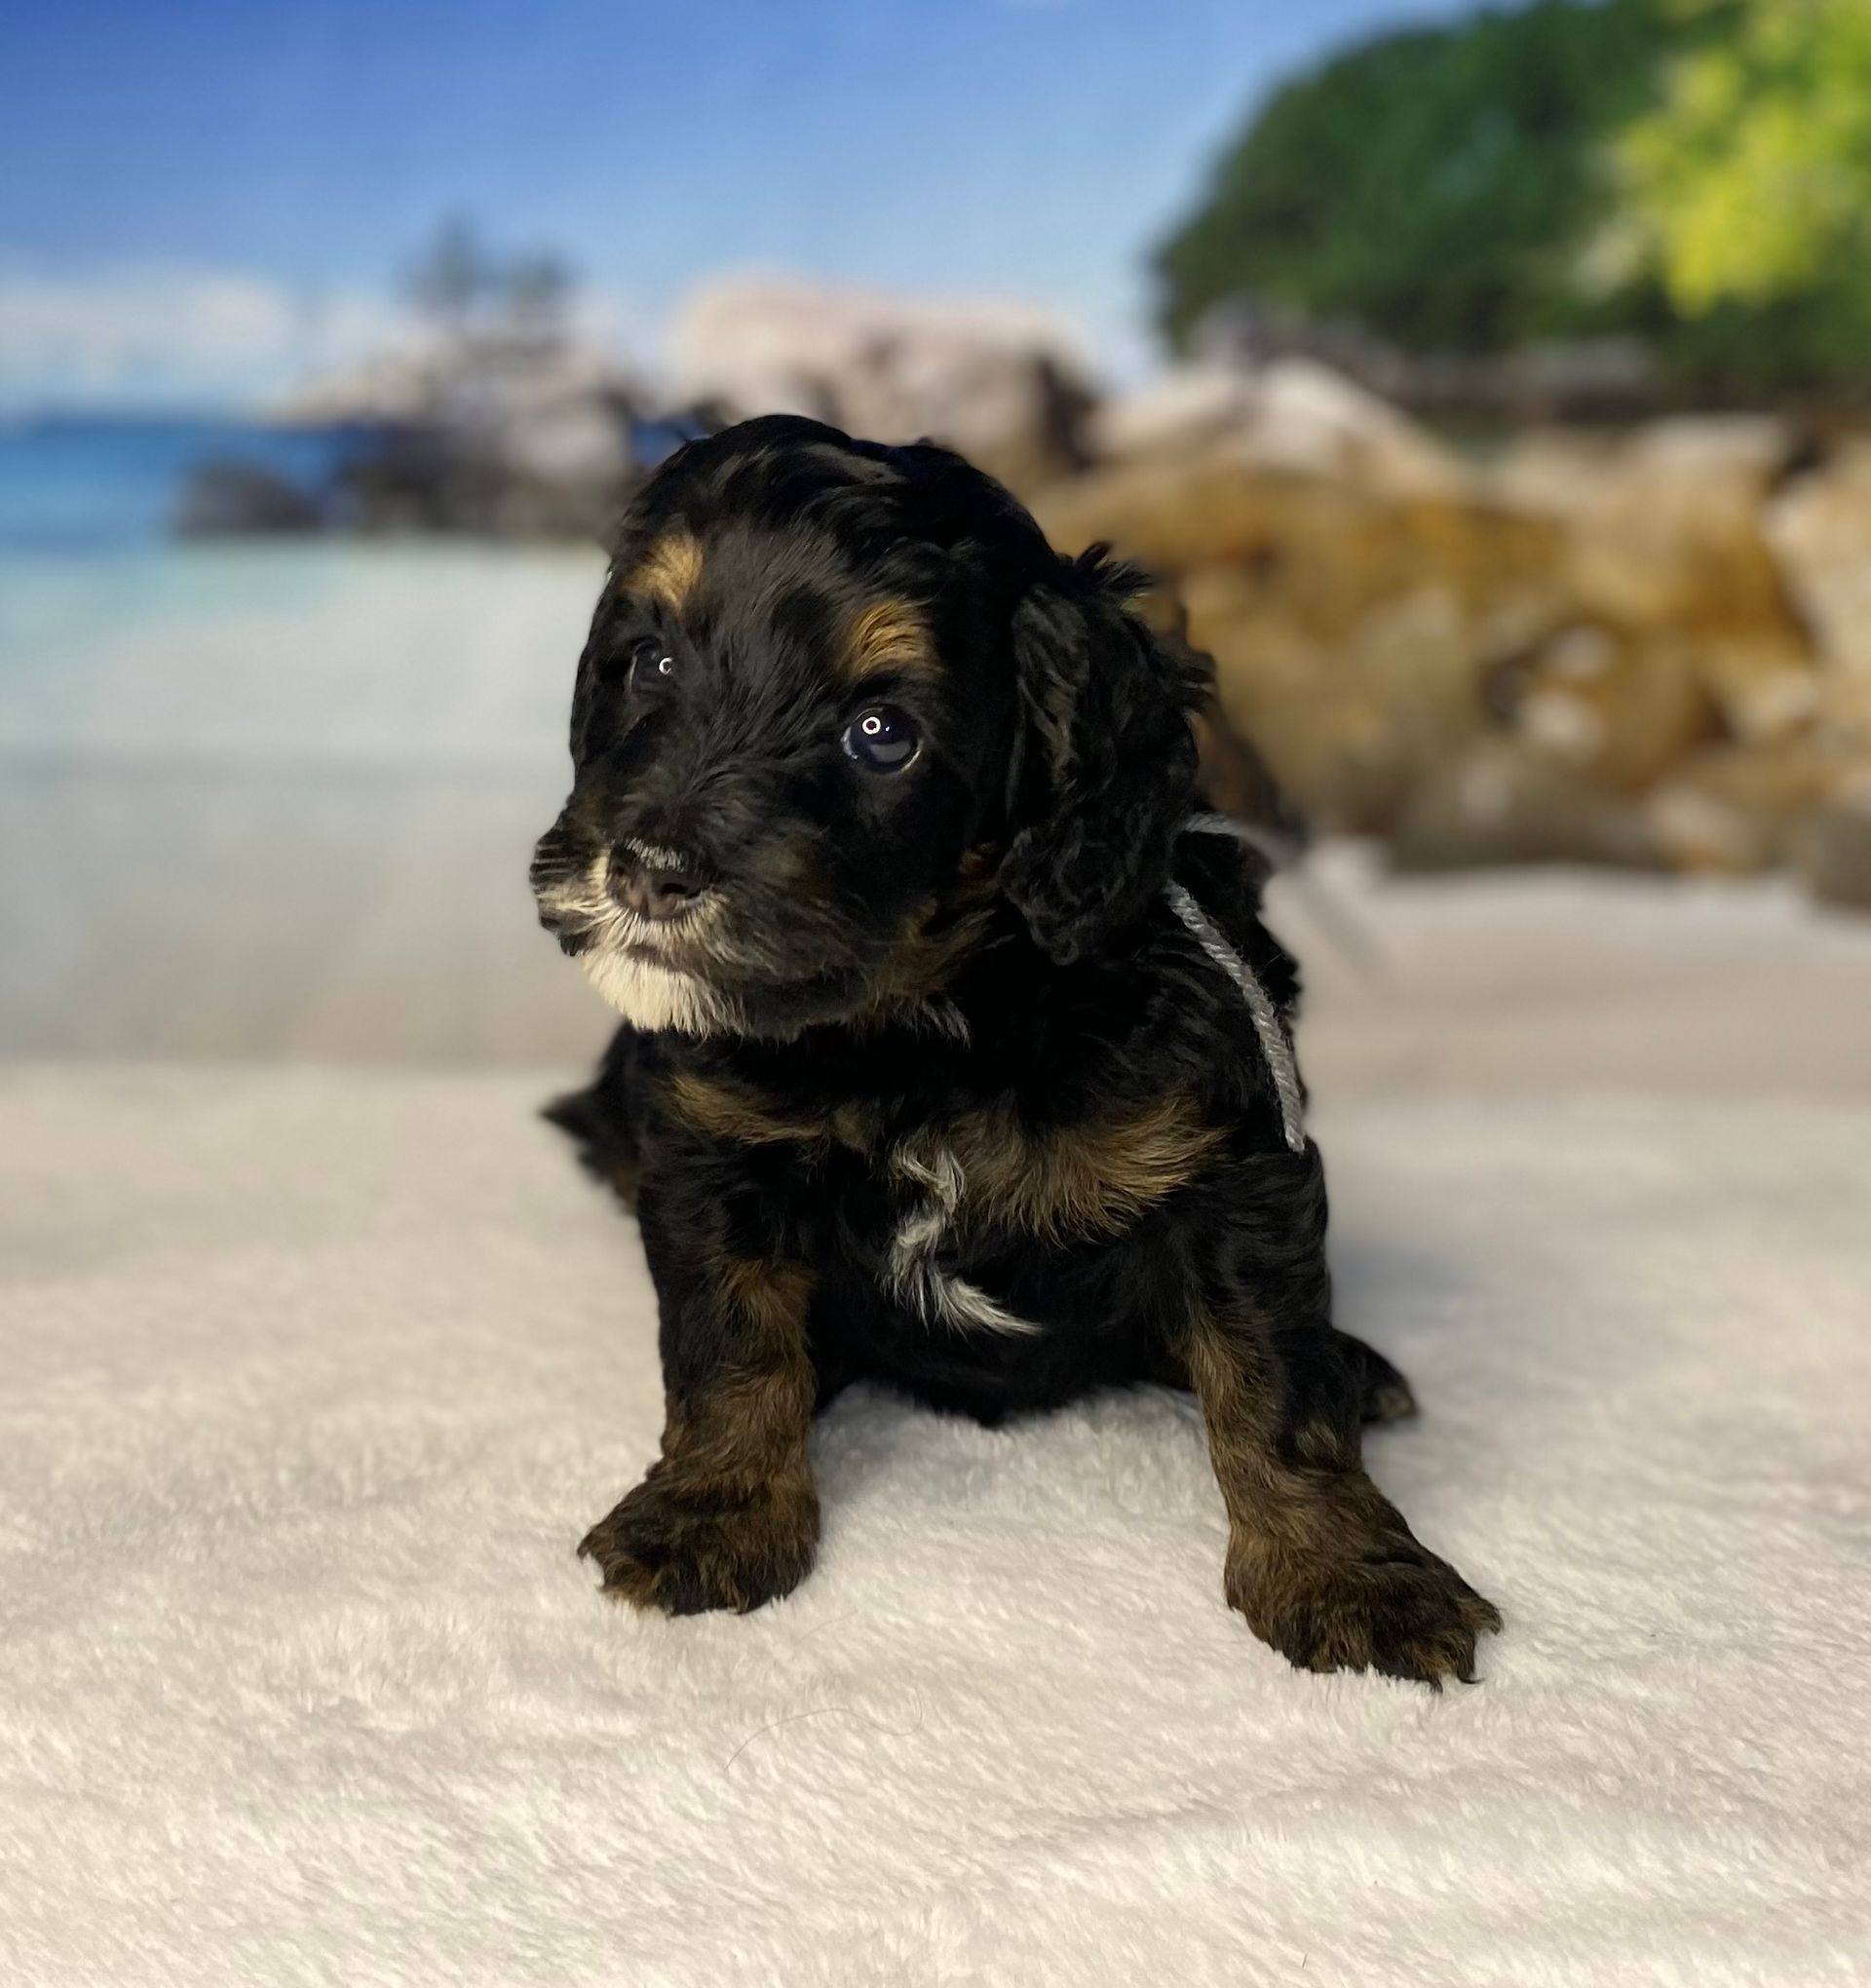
x: 308, y: 1384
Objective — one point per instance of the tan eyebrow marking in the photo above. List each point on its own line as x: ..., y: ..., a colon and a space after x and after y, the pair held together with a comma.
x: 888, y: 634
x: 670, y: 570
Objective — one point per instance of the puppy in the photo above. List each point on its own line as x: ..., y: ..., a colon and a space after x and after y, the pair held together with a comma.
x: 954, y: 1053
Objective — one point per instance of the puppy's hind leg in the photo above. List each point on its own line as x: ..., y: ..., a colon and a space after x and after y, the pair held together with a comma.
x: 601, y: 1120
x: 1383, y: 1395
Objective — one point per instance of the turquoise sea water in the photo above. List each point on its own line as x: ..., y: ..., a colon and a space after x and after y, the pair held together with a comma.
x: 80, y: 484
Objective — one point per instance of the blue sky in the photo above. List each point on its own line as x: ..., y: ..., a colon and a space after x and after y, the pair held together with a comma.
x: 182, y: 179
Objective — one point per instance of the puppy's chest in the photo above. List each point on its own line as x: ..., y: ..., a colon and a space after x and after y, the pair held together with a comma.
x: 929, y: 1201
x: 973, y: 1189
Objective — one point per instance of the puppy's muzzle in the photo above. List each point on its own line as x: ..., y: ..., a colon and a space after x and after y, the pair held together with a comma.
x: 657, y: 884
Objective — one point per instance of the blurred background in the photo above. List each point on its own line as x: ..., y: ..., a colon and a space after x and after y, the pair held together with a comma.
x: 1492, y: 388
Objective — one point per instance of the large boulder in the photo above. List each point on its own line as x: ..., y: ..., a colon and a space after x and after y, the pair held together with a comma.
x: 1348, y: 725
x: 1567, y: 468
x: 1679, y: 624
x: 1820, y: 527
x: 1615, y: 708
x: 1323, y: 551
x: 1739, y: 808
x: 1763, y: 684
x: 1663, y: 532
x: 505, y: 435
x: 1293, y: 415
x: 1350, y: 619
x: 1001, y: 383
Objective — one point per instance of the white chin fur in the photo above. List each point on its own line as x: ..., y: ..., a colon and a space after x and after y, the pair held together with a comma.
x: 651, y: 996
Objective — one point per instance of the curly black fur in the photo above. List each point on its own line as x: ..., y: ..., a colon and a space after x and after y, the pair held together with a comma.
x: 924, y: 1081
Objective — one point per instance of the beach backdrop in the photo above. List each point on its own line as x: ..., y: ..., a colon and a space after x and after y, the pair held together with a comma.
x: 1488, y: 389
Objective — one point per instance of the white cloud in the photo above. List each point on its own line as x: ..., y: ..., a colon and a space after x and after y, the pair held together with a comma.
x: 164, y: 335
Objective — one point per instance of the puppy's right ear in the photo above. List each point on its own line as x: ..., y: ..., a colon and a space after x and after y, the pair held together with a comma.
x: 1104, y: 773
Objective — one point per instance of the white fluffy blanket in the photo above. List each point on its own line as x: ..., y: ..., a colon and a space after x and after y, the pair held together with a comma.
x: 309, y: 1383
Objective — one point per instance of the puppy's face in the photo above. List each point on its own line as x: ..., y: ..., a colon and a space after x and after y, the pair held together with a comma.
x: 803, y: 733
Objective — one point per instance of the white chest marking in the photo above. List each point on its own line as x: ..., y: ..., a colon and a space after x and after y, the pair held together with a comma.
x: 931, y: 1292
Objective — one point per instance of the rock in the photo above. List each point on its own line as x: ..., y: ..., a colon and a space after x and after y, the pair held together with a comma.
x: 1664, y: 533
x: 385, y: 391
x: 1819, y: 529
x: 487, y: 433
x: 1348, y: 726
x: 1612, y: 378
x: 1187, y: 411
x: 1838, y: 848
x: 1501, y: 803
x: 1677, y: 559
x: 1845, y: 709
x: 1000, y: 383
x: 558, y: 432
x: 1310, y: 419
x: 1320, y: 551
x: 234, y: 499
x: 1179, y: 517
x: 1764, y: 688
x: 1294, y: 415
x: 1749, y: 452
x: 1616, y: 709
x: 1737, y: 809
x: 422, y: 478
x: 1566, y: 469
x: 1554, y: 471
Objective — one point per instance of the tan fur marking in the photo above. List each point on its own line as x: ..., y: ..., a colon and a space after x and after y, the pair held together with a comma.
x: 771, y: 1297
x: 749, y: 1426
x: 855, y: 1125
x: 727, y: 1517
x: 669, y: 571
x: 888, y: 634
x: 1093, y: 1178
x: 731, y: 1111
x: 1284, y: 1524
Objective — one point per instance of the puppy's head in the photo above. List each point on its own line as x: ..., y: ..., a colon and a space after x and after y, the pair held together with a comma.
x: 839, y: 704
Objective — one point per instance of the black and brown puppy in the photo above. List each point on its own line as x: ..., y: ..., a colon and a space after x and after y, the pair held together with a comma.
x: 940, y: 1063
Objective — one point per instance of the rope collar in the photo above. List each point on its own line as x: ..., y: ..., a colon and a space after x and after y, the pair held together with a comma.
x: 1269, y: 1029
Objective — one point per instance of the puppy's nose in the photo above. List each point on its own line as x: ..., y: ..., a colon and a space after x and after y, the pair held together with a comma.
x: 654, y: 888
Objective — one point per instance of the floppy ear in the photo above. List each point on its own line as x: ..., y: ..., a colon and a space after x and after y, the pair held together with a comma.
x: 1104, y: 769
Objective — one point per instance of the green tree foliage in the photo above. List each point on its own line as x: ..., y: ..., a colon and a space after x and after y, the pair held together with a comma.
x: 1750, y: 185
x: 1696, y: 171
x: 1436, y: 186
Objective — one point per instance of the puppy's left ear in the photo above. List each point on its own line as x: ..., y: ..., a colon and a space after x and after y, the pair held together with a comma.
x: 1104, y: 768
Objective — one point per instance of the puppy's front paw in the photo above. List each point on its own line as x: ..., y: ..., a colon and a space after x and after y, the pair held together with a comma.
x: 687, y: 1548
x: 1398, y: 1610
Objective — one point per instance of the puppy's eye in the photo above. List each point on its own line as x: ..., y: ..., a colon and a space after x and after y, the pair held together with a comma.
x: 651, y: 665
x: 883, y: 739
